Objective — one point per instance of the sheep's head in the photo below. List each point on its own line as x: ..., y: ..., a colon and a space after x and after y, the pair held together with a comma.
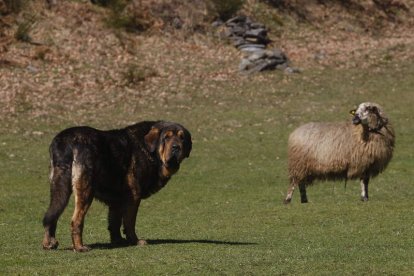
x: 370, y: 115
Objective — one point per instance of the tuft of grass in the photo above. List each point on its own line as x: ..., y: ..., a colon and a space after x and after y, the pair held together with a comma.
x: 129, y: 15
x: 226, y: 9
x: 15, y: 6
x: 23, y: 29
x: 136, y: 73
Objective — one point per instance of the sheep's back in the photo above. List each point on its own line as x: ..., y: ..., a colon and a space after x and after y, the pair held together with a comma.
x: 320, y: 148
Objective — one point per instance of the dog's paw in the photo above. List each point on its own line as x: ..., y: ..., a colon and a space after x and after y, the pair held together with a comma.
x: 81, y: 248
x: 50, y: 244
x: 142, y: 242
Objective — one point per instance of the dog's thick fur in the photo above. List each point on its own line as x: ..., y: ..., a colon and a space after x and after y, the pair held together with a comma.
x: 117, y: 167
x: 360, y: 149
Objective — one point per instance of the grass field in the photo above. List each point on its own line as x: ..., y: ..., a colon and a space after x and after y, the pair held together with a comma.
x: 223, y: 212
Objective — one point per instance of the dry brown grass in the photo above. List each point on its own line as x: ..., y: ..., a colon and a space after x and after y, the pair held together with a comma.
x: 81, y: 63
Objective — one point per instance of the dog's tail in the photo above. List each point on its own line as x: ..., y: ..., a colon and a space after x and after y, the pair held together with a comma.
x: 60, y: 183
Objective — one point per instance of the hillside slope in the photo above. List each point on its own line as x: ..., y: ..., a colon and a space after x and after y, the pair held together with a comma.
x: 50, y: 58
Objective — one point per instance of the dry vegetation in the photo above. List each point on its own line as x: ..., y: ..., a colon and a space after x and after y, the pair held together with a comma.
x: 52, y: 58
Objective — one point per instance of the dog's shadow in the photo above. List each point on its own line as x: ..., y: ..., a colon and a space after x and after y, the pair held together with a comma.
x: 169, y: 241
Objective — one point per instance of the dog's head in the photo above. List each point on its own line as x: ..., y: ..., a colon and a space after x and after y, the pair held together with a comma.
x: 370, y: 115
x: 172, y: 142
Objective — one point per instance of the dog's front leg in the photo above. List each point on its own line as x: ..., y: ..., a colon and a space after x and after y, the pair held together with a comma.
x: 114, y: 224
x: 129, y: 220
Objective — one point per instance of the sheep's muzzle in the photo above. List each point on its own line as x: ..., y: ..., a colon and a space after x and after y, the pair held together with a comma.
x: 356, y: 120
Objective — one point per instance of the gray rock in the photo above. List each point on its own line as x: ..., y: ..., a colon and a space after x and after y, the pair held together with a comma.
x: 245, y: 64
x: 257, y: 33
x: 253, y: 45
x: 217, y: 23
x: 255, y: 25
x: 291, y: 70
x: 32, y: 69
x: 238, y: 42
x: 259, y: 54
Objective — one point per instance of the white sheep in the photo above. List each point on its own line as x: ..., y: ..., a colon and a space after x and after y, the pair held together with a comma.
x: 360, y: 149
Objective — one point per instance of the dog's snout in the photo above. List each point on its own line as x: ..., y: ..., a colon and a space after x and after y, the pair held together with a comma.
x: 175, y: 147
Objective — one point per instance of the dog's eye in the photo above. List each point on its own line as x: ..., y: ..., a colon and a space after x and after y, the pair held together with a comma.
x: 180, y: 135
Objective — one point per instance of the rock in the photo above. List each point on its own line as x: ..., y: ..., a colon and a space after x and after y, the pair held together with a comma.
x: 244, y: 64
x: 237, y: 42
x: 257, y: 26
x: 177, y: 23
x: 217, y: 23
x: 258, y: 33
x: 251, y: 39
x: 237, y: 19
x: 260, y: 54
x: 32, y: 69
x: 291, y: 70
x: 250, y: 45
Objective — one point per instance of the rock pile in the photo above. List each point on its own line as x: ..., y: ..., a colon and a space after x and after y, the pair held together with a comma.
x: 251, y: 38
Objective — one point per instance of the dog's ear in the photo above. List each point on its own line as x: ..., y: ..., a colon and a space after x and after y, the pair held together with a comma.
x: 188, y: 143
x: 151, y: 139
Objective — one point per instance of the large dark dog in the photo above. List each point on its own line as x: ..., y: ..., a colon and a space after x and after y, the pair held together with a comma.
x: 118, y: 167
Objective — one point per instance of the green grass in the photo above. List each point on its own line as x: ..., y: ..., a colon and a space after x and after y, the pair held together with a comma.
x: 223, y: 212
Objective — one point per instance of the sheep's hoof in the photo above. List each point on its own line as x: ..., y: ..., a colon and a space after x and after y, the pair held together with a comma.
x: 304, y: 200
x: 364, y: 198
x: 287, y: 201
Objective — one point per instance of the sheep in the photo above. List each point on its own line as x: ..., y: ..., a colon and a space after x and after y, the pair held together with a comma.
x: 360, y: 149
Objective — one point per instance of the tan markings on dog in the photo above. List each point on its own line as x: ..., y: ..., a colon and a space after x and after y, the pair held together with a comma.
x: 76, y: 169
x: 136, y: 193
x: 162, y: 153
x: 52, y: 169
x: 83, y: 199
x: 169, y: 134
x: 180, y: 134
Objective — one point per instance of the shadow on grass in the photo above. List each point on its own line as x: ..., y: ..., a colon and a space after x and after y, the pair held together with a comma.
x: 169, y: 241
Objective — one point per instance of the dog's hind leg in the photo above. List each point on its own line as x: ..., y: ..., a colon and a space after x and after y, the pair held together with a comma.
x: 60, y: 191
x: 82, y: 189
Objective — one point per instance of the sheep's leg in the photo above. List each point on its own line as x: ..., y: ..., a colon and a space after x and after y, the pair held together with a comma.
x: 291, y: 189
x: 289, y: 195
x: 302, y: 190
x: 364, y: 188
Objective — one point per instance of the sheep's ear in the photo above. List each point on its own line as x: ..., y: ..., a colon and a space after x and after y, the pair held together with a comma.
x: 376, y: 111
x: 151, y: 139
x: 352, y: 112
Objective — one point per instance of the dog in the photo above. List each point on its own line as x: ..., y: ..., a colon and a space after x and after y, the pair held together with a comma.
x: 117, y: 167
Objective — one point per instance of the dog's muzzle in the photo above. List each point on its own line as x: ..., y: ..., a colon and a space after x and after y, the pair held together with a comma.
x: 173, y: 161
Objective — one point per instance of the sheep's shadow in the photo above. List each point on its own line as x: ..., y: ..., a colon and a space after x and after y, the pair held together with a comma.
x: 151, y: 242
